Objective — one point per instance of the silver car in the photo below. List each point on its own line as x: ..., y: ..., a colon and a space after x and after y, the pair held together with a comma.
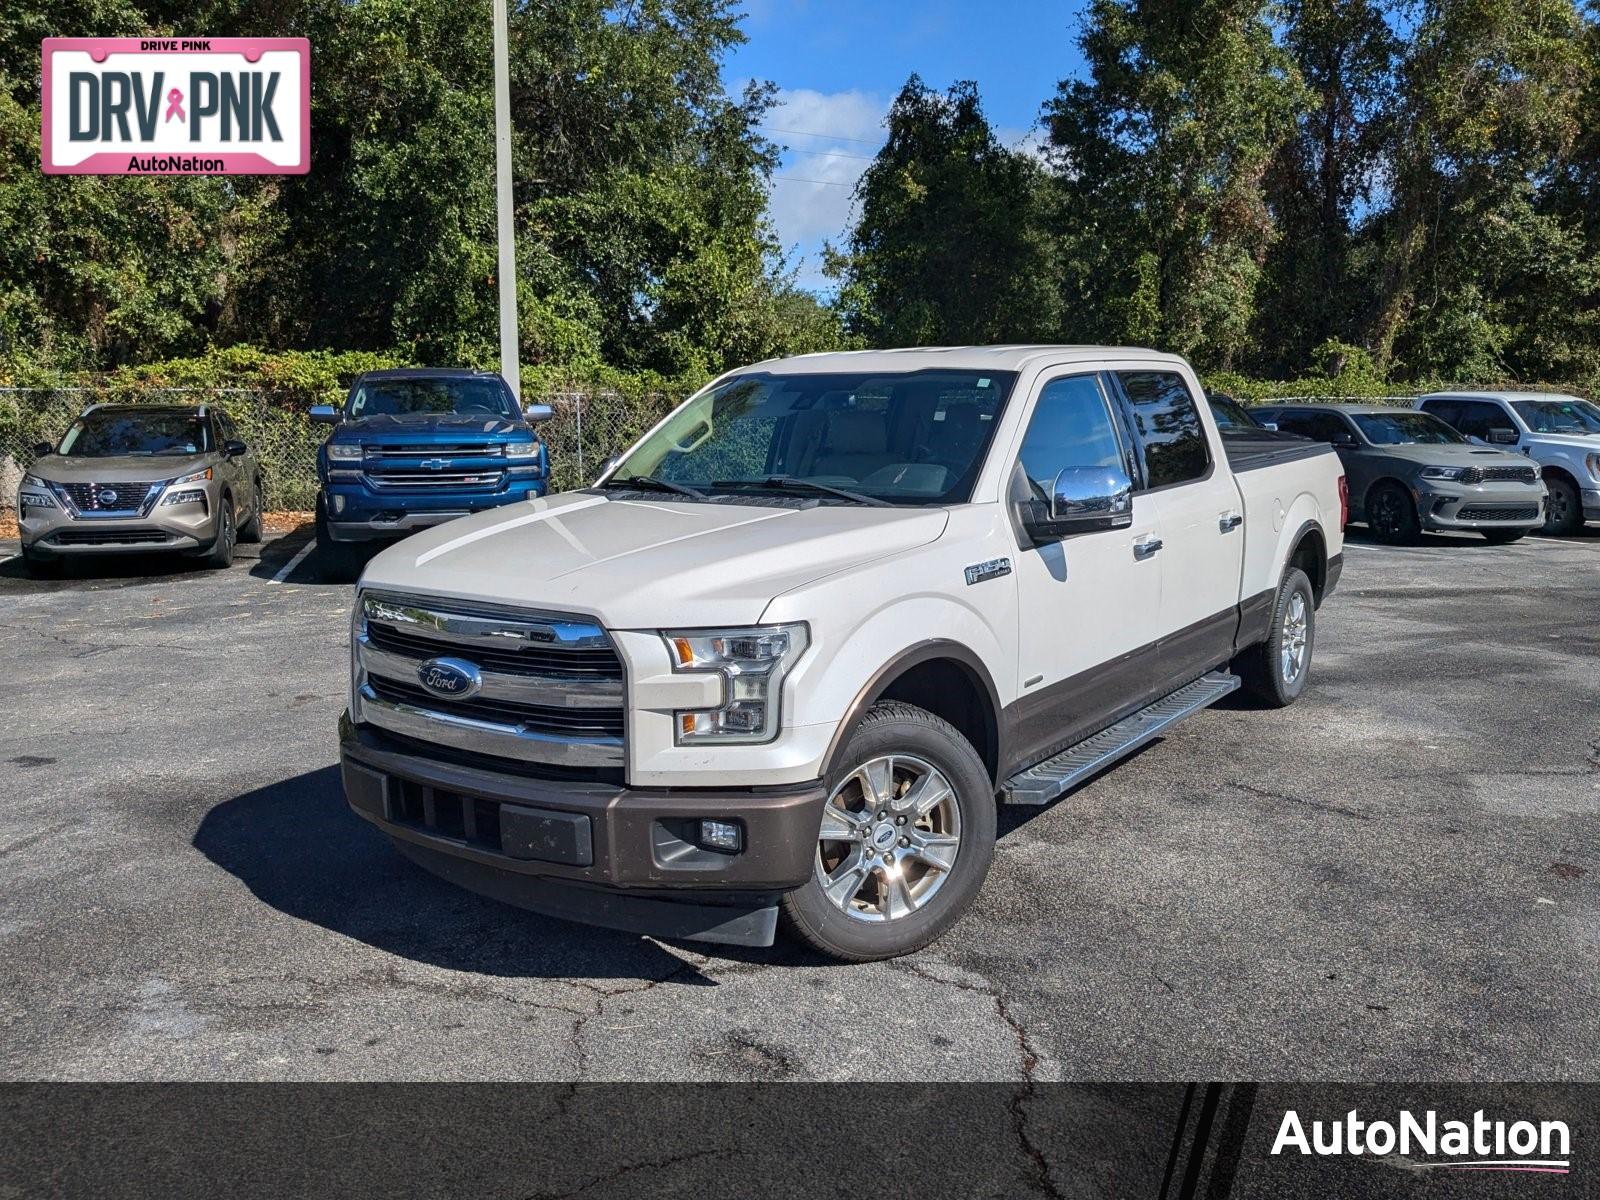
x: 140, y: 478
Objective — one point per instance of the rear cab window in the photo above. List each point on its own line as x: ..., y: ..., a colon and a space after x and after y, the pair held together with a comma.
x: 1172, y: 442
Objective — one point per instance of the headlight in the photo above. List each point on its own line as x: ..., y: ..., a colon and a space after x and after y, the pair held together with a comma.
x: 525, y: 449
x: 193, y: 477
x: 1594, y: 465
x: 35, y: 493
x: 752, y: 663
x: 344, y: 451
x: 187, y: 496
x: 1441, y: 472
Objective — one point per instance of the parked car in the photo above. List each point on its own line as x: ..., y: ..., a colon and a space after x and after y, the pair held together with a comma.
x: 1559, y: 433
x: 1409, y: 472
x: 140, y: 477
x: 790, y: 648
x: 415, y: 448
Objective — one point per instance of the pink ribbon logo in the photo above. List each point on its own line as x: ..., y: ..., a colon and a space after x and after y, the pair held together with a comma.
x: 175, y: 105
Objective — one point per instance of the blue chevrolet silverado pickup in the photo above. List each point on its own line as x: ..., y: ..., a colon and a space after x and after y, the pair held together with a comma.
x: 417, y: 447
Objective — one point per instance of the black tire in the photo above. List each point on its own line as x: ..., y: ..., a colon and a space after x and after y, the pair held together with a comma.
x: 1263, y: 667
x: 250, y: 531
x: 1392, y: 515
x: 41, y: 566
x: 221, y: 555
x: 339, y: 562
x: 894, y: 728
x: 1503, y: 537
x: 1563, y: 509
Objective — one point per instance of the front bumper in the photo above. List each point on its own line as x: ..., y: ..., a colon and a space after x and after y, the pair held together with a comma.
x: 585, y: 850
x: 1442, y: 505
x: 358, y: 513
x: 1591, y: 504
x: 190, y: 528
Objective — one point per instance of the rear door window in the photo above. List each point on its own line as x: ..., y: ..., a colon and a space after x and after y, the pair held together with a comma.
x: 1479, y: 417
x: 1166, y: 424
x: 1324, y: 427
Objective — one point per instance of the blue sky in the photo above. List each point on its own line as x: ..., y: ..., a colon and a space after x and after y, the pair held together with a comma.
x: 839, y: 64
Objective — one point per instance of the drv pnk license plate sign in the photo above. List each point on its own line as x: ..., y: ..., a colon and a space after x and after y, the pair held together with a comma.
x: 177, y: 106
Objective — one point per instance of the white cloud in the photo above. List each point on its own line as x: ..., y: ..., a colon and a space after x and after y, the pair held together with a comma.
x: 829, y: 139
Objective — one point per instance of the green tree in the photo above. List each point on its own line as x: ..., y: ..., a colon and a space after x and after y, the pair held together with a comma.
x: 1161, y: 154
x: 1311, y: 290
x: 951, y: 245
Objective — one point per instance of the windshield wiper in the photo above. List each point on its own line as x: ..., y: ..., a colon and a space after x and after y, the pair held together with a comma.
x: 791, y: 483
x: 654, y: 483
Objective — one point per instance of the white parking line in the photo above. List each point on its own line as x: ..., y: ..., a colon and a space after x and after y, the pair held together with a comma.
x: 288, y: 568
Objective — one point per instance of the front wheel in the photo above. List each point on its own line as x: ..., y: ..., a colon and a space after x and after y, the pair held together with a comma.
x: 1563, y: 509
x: 1276, y: 670
x: 905, y: 839
x: 1392, y: 516
x: 221, y: 555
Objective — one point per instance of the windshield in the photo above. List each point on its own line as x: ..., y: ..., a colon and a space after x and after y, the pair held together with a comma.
x: 1559, y: 416
x: 1404, y: 429
x: 404, y: 397
x: 113, y: 431
x: 1230, y: 414
x: 916, y: 437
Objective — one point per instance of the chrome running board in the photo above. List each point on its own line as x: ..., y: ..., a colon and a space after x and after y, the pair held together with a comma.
x: 1043, y: 782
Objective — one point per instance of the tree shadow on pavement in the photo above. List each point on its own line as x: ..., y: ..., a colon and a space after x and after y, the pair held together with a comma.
x: 297, y: 846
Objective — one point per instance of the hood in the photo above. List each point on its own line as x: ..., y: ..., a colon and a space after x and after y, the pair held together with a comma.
x: 1451, y: 455
x: 406, y: 426
x: 646, y: 564
x: 120, y: 468
x: 1575, y: 441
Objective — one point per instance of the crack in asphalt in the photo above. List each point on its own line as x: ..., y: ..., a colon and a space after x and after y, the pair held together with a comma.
x: 606, y: 995
x: 1319, y: 805
x: 629, y: 1169
x: 1017, y: 1106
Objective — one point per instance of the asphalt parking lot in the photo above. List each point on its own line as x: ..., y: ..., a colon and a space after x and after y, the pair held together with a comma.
x: 1398, y: 878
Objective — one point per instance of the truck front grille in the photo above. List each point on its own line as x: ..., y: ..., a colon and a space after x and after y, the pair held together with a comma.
x: 456, y: 450
x: 549, y: 688
x: 415, y: 478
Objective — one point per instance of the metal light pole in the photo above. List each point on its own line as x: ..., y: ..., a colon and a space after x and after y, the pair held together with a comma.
x: 506, y: 270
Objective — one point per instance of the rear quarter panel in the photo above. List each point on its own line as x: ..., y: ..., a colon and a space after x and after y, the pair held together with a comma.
x: 1280, y: 500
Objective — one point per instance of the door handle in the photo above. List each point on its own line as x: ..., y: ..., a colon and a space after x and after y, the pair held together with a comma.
x: 1229, y: 520
x: 1146, y: 546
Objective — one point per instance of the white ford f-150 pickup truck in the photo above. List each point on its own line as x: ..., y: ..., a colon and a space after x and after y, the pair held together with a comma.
x: 792, y: 649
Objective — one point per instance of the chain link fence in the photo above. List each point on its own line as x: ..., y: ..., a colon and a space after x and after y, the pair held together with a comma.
x: 587, y: 429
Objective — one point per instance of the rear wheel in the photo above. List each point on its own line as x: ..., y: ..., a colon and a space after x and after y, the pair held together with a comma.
x: 1276, y: 670
x: 1503, y: 537
x: 1392, y: 516
x: 250, y: 531
x: 1563, y: 509
x: 905, y: 839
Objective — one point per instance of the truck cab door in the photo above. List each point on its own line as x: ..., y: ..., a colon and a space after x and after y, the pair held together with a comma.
x: 1200, y: 515
x: 1089, y: 604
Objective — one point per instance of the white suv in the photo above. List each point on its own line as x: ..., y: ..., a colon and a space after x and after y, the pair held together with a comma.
x: 1560, y: 433
x: 795, y: 644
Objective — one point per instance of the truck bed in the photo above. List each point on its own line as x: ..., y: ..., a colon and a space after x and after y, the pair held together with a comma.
x: 1250, y: 450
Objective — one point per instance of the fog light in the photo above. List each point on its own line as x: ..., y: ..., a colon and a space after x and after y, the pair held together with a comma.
x: 721, y: 835
x: 338, y: 504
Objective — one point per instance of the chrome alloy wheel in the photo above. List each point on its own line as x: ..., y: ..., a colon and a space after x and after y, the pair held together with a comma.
x: 889, y: 838
x: 1295, y: 621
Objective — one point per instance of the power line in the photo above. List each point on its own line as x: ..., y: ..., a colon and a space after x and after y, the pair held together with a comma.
x: 823, y: 182
x: 833, y: 154
x: 834, y: 137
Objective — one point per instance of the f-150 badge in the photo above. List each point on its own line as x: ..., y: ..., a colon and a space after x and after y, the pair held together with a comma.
x: 992, y: 569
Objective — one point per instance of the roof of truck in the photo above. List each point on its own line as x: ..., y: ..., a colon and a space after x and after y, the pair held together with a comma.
x: 1316, y: 406
x: 952, y: 358
x: 429, y: 373
x: 1499, y: 396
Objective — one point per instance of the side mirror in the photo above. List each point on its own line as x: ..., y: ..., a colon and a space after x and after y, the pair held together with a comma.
x: 1084, y: 499
x: 234, y: 448
x: 1345, y: 440
x: 534, y: 413
x: 40, y: 449
x: 324, y: 414
x: 1503, y: 437
x: 1272, y: 425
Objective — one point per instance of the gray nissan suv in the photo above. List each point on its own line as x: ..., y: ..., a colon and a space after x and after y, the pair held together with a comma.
x: 140, y: 477
x: 1409, y: 471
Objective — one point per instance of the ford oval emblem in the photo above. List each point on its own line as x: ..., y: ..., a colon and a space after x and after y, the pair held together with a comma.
x: 450, y: 678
